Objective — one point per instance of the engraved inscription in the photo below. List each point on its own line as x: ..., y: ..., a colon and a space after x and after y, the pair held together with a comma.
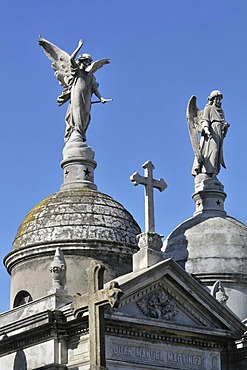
x: 146, y: 355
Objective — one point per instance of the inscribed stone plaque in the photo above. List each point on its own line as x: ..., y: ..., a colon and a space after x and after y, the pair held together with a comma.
x: 174, y: 357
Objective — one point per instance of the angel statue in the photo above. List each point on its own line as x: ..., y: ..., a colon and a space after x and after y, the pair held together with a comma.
x: 78, y: 82
x: 210, y: 123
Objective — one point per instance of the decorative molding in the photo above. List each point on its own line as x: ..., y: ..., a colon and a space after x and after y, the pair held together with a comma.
x: 86, y: 247
x: 188, y: 308
x: 48, y: 325
x: 157, y: 305
x: 144, y: 334
x: 140, y: 294
x: 162, y: 285
x: 14, y: 343
x: 210, y: 279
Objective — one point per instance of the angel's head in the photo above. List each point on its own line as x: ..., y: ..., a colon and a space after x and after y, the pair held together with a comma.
x: 215, y: 97
x: 84, y: 60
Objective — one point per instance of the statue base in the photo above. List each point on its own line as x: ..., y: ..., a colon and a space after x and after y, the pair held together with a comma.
x: 150, y: 253
x: 206, y: 182
x: 78, y: 164
x: 209, y: 195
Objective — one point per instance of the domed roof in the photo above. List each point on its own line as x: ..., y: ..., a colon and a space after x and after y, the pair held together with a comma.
x: 209, y: 245
x: 78, y: 216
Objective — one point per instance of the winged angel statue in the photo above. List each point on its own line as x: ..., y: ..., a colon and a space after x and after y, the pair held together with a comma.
x: 79, y: 84
x: 212, y: 127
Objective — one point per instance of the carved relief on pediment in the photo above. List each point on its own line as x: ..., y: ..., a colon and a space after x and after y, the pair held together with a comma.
x: 158, y: 305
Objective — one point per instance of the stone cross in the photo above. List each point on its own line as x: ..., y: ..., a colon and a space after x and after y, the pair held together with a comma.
x: 95, y: 302
x: 149, y: 183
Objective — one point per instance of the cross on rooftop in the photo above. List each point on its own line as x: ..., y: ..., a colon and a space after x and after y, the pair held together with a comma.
x: 149, y: 183
x: 95, y: 302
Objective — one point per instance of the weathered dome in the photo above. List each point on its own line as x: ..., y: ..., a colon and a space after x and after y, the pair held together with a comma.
x: 85, y: 224
x: 209, y: 244
x: 78, y: 216
x: 214, y: 248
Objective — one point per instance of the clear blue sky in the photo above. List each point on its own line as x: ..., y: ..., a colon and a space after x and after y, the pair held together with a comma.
x: 162, y: 52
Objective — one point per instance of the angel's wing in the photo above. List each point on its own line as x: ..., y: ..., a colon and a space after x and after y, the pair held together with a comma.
x: 142, y: 304
x: 97, y: 65
x: 60, y: 61
x: 194, y: 115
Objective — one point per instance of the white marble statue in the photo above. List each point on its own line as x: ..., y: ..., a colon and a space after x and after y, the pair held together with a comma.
x: 79, y: 83
x: 212, y: 127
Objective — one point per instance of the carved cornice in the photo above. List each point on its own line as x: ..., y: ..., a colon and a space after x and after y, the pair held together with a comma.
x: 80, y: 247
x: 187, y: 307
x: 57, y: 327
x: 24, y: 340
x: 138, y: 332
x: 210, y: 279
x: 53, y: 327
x: 78, y: 330
x: 138, y: 295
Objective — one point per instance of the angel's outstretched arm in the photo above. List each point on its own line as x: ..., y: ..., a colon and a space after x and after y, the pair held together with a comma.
x: 97, y: 93
x: 74, y: 54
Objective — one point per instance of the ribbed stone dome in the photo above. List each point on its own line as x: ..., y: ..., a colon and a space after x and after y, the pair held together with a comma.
x: 78, y: 215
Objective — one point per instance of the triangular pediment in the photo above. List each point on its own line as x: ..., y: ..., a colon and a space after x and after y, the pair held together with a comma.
x: 165, y: 295
x: 160, y: 301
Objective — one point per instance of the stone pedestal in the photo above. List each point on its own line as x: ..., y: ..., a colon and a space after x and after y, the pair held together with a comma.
x: 150, y: 251
x: 209, y: 201
x: 78, y: 164
x: 209, y: 196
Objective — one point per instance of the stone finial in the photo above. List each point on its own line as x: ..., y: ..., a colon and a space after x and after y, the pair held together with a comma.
x: 219, y: 293
x: 58, y: 270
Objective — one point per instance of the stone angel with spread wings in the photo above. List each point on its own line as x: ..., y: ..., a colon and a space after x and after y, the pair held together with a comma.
x: 79, y: 84
x: 212, y: 127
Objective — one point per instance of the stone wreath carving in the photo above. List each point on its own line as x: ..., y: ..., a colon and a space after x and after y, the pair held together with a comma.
x: 158, y: 306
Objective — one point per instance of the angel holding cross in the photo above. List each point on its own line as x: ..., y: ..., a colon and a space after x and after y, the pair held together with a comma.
x: 79, y: 83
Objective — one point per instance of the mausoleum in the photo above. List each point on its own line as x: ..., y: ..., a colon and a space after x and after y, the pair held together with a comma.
x: 91, y: 290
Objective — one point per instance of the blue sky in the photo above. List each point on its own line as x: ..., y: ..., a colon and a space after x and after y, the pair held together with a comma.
x: 162, y: 52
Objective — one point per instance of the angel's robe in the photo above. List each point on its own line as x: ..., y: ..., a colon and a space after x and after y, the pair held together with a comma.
x: 211, y: 148
x: 81, y: 87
